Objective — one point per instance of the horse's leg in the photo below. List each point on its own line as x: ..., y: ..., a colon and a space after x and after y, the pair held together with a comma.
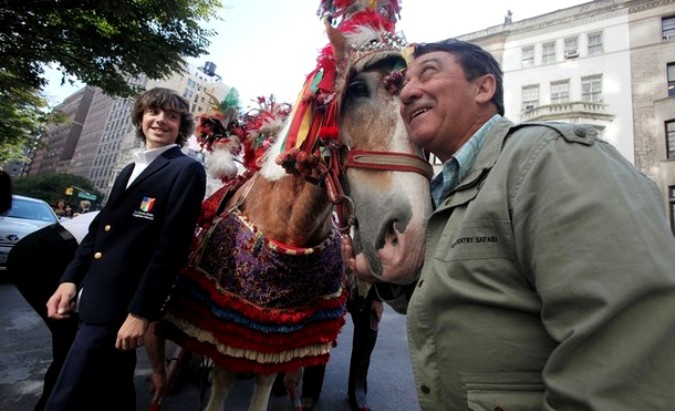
x: 292, y: 382
x: 261, y: 392
x: 221, y: 381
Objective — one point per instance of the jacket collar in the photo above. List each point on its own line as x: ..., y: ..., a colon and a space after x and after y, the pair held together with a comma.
x: 487, y: 157
x: 159, y: 163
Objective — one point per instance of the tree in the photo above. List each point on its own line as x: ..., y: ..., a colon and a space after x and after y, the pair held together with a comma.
x: 52, y: 187
x: 23, y: 117
x: 102, y: 43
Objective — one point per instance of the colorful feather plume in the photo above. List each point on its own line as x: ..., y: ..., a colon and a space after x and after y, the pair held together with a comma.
x: 315, y: 114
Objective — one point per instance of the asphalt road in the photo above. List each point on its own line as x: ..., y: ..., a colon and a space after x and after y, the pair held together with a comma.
x: 25, y: 354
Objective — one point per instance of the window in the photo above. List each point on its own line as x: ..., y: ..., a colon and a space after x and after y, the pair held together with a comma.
x: 560, y: 92
x: 595, y: 44
x: 671, y: 201
x: 671, y: 79
x: 670, y: 139
x: 530, y: 97
x: 528, y: 56
x: 668, y: 28
x: 548, y: 53
x: 591, y: 89
x: 571, y: 47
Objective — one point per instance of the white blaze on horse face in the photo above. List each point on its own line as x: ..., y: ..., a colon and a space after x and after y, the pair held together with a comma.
x: 391, y: 245
x: 392, y: 208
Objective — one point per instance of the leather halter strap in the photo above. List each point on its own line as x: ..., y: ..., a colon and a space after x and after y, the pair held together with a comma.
x: 332, y: 175
x: 382, y: 160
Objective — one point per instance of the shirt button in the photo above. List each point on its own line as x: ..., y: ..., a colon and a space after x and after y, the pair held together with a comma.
x: 98, y: 255
x: 425, y: 389
x: 107, y: 227
x: 580, y: 131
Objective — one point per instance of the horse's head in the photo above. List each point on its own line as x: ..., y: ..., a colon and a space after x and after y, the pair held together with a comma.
x: 387, y: 176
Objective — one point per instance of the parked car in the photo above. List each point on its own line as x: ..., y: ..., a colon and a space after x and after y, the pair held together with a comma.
x: 26, y: 215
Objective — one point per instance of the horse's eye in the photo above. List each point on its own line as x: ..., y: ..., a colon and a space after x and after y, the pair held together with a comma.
x: 357, y: 89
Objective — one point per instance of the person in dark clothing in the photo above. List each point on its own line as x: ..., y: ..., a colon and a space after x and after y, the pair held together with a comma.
x: 35, y: 266
x: 125, y: 266
x: 5, y: 192
x: 365, y: 308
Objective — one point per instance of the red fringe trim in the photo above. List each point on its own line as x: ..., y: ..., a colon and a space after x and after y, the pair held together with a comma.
x: 226, y: 299
x: 241, y: 336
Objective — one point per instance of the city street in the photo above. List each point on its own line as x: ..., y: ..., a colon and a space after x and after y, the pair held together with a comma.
x: 25, y: 354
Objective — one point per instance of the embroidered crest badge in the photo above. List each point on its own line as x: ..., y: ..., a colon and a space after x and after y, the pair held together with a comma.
x: 147, y: 204
x: 145, y: 209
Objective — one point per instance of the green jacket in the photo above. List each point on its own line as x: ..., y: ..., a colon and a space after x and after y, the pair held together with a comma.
x: 548, y: 283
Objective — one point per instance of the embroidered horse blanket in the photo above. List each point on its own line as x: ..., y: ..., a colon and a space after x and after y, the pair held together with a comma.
x: 253, y: 305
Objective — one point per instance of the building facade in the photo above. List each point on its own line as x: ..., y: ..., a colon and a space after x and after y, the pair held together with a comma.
x: 56, y: 147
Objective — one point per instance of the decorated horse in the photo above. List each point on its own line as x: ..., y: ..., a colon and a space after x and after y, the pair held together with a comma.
x: 264, y: 290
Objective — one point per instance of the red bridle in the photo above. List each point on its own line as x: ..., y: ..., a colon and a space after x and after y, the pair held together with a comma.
x: 333, y: 174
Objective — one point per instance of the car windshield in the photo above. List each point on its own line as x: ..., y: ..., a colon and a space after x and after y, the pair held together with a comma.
x: 30, y: 210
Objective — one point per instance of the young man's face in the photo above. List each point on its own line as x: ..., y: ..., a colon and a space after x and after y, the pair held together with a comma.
x: 160, y: 127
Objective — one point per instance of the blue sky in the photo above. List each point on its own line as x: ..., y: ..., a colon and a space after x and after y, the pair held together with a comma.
x: 267, y: 47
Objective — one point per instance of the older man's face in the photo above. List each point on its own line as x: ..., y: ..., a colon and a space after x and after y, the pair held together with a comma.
x: 439, y: 103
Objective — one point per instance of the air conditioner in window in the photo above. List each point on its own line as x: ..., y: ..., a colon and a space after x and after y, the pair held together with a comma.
x: 570, y: 54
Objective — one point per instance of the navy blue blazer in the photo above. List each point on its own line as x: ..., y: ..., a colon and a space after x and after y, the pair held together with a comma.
x: 135, y: 247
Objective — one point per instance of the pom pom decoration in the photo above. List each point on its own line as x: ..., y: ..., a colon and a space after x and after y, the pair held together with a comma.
x: 236, y: 142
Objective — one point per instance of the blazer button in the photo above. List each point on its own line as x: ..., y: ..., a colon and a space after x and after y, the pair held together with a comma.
x: 107, y: 227
x: 98, y: 255
x: 425, y: 389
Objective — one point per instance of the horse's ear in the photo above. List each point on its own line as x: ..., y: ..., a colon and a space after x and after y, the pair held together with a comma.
x: 337, y: 40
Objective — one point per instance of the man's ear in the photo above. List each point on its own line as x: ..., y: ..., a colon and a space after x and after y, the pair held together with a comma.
x: 487, y: 86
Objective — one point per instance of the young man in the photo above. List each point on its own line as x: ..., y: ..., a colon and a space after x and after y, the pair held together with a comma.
x: 125, y: 266
x: 549, y: 279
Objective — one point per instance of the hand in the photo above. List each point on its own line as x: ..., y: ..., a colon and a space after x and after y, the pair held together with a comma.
x: 155, y: 347
x: 352, y: 266
x: 132, y: 333
x: 62, y: 302
x: 159, y: 385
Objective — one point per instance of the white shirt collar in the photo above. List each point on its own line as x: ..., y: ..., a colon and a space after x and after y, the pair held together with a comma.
x: 146, y: 157
x: 142, y: 158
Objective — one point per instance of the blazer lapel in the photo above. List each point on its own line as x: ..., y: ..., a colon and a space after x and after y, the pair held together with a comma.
x: 121, y: 182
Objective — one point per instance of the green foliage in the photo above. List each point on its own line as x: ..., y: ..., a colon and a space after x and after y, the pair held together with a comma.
x: 102, y: 43
x: 52, y: 187
x: 23, y: 116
